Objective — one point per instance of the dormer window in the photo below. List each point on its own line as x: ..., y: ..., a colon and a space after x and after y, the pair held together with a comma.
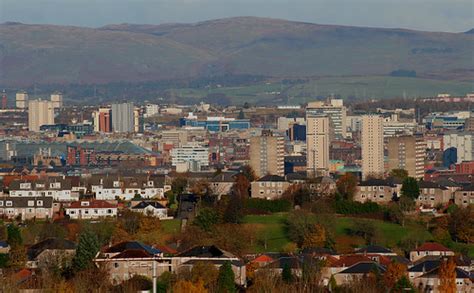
x: 26, y: 185
x: 84, y: 203
x: 150, y: 183
x: 116, y: 184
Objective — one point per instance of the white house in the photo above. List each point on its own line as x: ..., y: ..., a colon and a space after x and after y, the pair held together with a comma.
x: 151, y: 208
x: 91, y: 209
x: 26, y: 207
x: 59, y: 189
x: 128, y: 188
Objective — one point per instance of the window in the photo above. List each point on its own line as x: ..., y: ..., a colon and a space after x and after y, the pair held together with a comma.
x: 9, y: 203
x: 1, y: 203
x: 116, y: 264
x: 39, y: 203
x: 31, y: 203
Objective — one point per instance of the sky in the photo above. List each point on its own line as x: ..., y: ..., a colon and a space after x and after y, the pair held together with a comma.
x: 429, y: 15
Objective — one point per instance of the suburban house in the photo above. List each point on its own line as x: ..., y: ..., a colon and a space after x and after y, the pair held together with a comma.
x: 269, y: 187
x: 376, y: 190
x: 295, y: 263
x: 429, y: 248
x: 4, y: 247
x: 465, y: 196
x: 58, y: 188
x: 213, y: 255
x: 26, y: 208
x: 91, y: 209
x: 129, y: 258
x: 51, y: 252
x: 222, y: 183
x: 433, y: 194
x: 151, y: 208
x: 109, y: 188
x: 357, y: 271
x: 430, y: 281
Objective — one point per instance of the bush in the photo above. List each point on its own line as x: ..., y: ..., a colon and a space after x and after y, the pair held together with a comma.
x: 258, y: 205
x: 347, y: 207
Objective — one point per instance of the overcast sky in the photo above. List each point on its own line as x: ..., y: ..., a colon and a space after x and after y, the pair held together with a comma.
x: 431, y: 15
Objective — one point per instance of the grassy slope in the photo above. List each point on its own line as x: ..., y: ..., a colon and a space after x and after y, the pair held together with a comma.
x: 361, y: 87
x: 389, y: 234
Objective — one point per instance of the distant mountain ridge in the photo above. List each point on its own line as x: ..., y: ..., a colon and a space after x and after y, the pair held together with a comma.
x: 45, y: 54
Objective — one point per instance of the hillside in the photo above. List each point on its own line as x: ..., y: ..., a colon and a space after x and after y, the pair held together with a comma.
x: 243, y: 45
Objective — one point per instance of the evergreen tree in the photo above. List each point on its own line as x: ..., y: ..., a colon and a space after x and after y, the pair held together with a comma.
x: 86, y: 250
x: 410, y: 188
x: 226, y: 278
x: 17, y: 255
x: 286, y: 274
x: 14, y: 235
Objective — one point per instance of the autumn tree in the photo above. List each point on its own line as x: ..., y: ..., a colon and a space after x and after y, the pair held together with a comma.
x: 401, y: 174
x: 394, y: 272
x: 179, y: 185
x: 447, y: 276
x: 183, y: 286
x: 403, y: 285
x: 207, y: 273
x: 234, y: 211
x: 346, y: 186
x: 315, y: 236
x: 226, y: 279
x: 461, y: 224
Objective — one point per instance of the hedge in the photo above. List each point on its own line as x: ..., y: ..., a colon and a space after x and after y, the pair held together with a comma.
x: 259, y: 205
x: 347, y: 207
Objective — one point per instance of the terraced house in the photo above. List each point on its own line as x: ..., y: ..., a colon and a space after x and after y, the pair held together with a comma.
x: 58, y: 188
x: 377, y: 190
x: 26, y: 208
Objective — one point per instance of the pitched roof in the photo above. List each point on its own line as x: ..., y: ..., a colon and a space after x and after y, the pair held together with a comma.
x: 364, y: 268
x: 205, y: 251
x: 50, y: 244
x: 349, y: 260
x: 434, y: 273
x: 425, y: 266
x: 291, y: 261
x: 373, y: 249
x: 263, y: 259
x: 376, y: 182
x: 133, y: 253
x: 21, y: 202
x: 131, y: 245
x: 431, y: 246
x: 272, y: 178
x: 144, y: 204
x: 93, y: 204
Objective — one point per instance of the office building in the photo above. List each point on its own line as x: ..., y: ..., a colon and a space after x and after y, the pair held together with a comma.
x: 372, y: 146
x: 462, y: 145
x: 190, y: 157
x: 335, y: 110
x: 4, y: 100
x: 138, y: 121
x: 267, y: 154
x: 21, y: 101
x: 151, y: 110
x: 317, y: 144
x: 57, y: 100
x: 103, y: 120
x: 123, y: 118
x: 40, y: 113
x: 408, y: 153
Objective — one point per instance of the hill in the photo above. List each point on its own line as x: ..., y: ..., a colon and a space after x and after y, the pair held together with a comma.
x: 45, y: 54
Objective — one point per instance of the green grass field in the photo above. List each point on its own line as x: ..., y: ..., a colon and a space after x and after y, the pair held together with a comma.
x: 170, y: 226
x: 355, y: 86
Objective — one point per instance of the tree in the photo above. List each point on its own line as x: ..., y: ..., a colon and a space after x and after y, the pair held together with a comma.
x: 447, y: 276
x: 249, y: 173
x: 241, y: 114
x: 183, y: 286
x: 87, y: 248
x: 395, y: 271
x: 17, y: 255
x: 226, y: 278
x: 399, y: 173
x: 461, y: 224
x: 206, y: 219
x: 410, y: 188
x: 179, y: 185
x: 315, y: 236
x: 346, y: 186
x: 364, y: 228
x: 403, y: 285
x: 286, y: 274
x: 206, y: 272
